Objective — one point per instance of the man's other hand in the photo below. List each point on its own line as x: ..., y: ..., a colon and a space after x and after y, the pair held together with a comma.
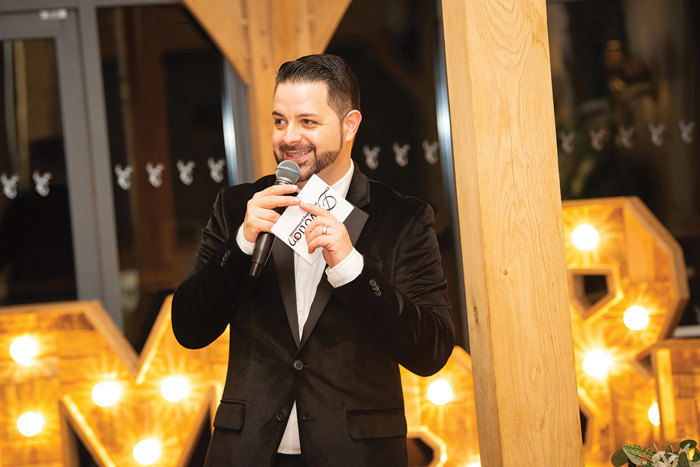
x: 260, y: 215
x: 335, y: 241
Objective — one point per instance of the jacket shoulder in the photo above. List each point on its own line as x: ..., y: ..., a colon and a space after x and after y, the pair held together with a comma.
x: 384, y: 197
x: 246, y: 190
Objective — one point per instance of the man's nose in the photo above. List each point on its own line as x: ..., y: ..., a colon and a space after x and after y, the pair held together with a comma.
x: 292, y: 135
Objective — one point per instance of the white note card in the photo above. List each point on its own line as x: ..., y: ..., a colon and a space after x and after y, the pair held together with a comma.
x: 291, y: 225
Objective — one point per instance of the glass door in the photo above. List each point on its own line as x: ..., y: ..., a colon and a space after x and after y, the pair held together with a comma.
x: 48, y: 234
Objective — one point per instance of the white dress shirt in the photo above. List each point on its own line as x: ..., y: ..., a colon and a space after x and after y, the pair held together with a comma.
x: 306, y: 279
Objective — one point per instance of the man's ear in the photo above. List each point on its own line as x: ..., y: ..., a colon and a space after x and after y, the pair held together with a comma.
x: 351, y: 123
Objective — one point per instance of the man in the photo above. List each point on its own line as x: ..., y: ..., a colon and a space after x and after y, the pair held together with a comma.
x: 313, y: 377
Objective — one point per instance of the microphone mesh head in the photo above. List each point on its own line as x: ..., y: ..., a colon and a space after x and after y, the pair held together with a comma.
x: 287, y: 172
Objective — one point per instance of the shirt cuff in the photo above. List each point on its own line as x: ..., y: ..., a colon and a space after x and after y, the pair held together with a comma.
x: 347, y: 270
x: 245, y: 246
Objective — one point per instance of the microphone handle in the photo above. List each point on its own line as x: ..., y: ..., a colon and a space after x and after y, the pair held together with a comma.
x: 261, y: 253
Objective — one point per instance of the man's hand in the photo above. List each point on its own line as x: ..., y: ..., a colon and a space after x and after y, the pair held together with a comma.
x: 260, y: 215
x: 335, y: 242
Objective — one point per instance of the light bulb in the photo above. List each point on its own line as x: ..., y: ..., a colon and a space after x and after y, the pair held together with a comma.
x: 440, y: 392
x: 653, y: 414
x: 24, y: 350
x: 147, y: 451
x: 30, y: 423
x: 175, y: 388
x: 636, y: 318
x: 585, y: 237
x: 596, y: 363
x: 107, y: 393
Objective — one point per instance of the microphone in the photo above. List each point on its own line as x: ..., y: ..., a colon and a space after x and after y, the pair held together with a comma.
x: 286, y: 173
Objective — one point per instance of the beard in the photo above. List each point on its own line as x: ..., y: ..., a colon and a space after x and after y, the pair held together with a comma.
x: 312, y: 165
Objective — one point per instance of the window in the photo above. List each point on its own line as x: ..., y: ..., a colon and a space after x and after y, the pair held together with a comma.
x: 36, y: 240
x: 626, y: 78
x: 163, y: 84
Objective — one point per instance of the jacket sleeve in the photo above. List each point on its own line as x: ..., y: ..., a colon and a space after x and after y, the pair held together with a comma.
x: 410, y: 315
x: 206, y: 300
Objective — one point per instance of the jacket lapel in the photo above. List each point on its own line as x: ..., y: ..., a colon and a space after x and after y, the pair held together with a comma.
x: 283, y: 256
x: 358, y: 195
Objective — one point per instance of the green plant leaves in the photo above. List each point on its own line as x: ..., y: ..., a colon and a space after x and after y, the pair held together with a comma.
x: 619, y: 458
x: 691, y: 442
x: 634, y: 453
x: 639, y: 455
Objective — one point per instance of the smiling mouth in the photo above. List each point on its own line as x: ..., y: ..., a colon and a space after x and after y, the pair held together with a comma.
x: 297, y: 154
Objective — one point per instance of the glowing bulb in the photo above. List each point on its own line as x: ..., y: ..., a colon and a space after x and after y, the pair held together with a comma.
x: 636, y: 318
x: 653, y: 414
x: 585, y: 237
x: 147, y: 452
x: 107, y: 393
x: 596, y: 363
x: 175, y: 388
x: 24, y: 350
x: 440, y: 392
x: 30, y: 423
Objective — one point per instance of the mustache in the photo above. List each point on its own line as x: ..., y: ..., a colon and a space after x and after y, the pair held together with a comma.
x: 300, y: 147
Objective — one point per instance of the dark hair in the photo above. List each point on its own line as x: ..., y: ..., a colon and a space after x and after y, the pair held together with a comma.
x: 343, y: 90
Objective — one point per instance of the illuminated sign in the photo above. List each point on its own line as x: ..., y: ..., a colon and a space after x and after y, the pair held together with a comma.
x: 628, y: 287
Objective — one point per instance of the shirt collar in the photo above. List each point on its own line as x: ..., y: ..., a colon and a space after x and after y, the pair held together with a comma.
x: 343, y: 185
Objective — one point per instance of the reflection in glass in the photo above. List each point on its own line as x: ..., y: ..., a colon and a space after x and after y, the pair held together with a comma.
x: 36, y: 246
x: 626, y: 79
x: 163, y: 88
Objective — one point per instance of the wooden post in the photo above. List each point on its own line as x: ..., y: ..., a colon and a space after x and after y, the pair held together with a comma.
x: 661, y: 360
x: 510, y: 217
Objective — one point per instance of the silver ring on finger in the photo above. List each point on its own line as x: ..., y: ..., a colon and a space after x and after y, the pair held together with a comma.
x: 324, y: 230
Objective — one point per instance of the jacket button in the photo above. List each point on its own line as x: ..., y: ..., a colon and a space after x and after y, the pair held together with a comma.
x: 378, y: 293
x: 225, y: 257
x: 281, y: 416
x: 298, y: 365
x: 373, y: 283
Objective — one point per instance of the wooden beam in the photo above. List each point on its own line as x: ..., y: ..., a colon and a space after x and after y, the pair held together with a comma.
x: 510, y: 217
x: 262, y: 83
x: 226, y: 22
x: 291, y: 23
x: 277, y: 33
x: 257, y: 36
x: 325, y: 18
x: 661, y: 359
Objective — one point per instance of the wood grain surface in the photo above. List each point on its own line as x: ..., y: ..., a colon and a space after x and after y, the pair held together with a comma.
x: 510, y: 217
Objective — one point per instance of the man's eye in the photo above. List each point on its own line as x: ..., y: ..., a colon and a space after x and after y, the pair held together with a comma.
x: 278, y: 122
x: 307, y: 122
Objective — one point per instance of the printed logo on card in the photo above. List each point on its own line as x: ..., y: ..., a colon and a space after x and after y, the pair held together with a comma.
x: 291, y: 225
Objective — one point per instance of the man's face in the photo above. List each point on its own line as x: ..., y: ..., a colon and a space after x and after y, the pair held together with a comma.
x: 307, y: 131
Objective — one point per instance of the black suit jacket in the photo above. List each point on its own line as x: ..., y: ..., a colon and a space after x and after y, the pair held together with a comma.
x: 343, y: 373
